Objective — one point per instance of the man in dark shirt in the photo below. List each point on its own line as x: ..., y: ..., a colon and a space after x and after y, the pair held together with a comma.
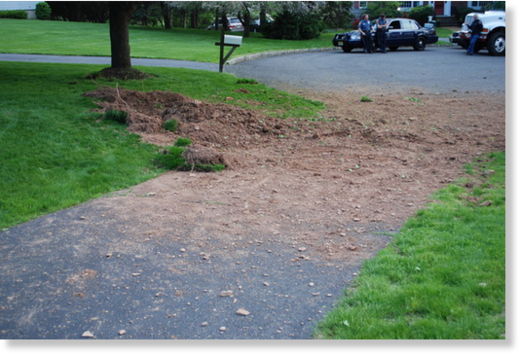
x: 381, y: 33
x: 475, y: 29
x: 364, y: 27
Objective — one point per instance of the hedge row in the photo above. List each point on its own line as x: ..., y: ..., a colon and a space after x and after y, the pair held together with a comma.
x: 13, y: 14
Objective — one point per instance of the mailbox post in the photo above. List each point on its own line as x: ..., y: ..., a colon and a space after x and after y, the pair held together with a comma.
x: 230, y: 41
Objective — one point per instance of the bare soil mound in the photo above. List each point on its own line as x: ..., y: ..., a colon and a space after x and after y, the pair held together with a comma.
x: 204, y: 123
x: 328, y: 188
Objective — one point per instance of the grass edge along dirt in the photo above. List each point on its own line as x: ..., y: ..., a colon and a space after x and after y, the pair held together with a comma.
x: 442, y: 276
x: 56, y: 153
x: 173, y: 159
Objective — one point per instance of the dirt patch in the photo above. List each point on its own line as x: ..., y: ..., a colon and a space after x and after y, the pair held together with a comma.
x: 207, y: 124
x: 121, y: 74
x: 327, y: 188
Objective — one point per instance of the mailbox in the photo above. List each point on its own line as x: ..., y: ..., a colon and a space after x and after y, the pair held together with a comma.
x: 232, y: 40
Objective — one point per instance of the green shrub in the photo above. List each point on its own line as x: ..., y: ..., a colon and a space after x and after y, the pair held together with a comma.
x: 43, y: 11
x: 182, y: 142
x: 365, y: 99
x: 288, y: 25
x: 461, y: 12
x: 116, y: 115
x: 172, y: 159
x: 171, y: 125
x: 388, y: 8
x: 13, y: 14
x: 421, y: 13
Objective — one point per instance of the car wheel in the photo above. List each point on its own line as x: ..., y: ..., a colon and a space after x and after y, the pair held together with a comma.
x: 420, y: 44
x: 393, y: 48
x: 497, y: 44
x: 346, y: 49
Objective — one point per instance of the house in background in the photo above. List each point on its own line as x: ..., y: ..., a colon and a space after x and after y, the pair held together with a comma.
x: 444, y: 10
x: 28, y: 6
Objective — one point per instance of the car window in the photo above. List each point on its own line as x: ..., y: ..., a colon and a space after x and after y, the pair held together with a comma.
x: 408, y: 25
x: 396, y: 25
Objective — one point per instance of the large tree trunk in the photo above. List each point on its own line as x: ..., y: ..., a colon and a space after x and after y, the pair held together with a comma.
x: 263, y: 14
x: 245, y: 18
x: 194, y: 16
x: 120, y: 12
x: 167, y: 15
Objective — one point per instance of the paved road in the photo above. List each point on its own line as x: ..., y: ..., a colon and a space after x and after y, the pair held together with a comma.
x: 437, y: 69
x: 40, y: 58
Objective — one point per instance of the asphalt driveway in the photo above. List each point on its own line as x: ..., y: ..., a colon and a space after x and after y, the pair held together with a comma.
x: 435, y: 70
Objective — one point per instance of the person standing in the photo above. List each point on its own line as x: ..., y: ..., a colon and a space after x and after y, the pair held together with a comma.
x: 382, y: 26
x: 366, y: 36
x: 475, y: 28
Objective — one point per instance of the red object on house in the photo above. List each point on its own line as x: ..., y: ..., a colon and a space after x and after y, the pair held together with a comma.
x: 439, y: 7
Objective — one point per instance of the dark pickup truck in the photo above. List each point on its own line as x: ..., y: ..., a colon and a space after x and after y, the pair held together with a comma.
x: 401, y: 32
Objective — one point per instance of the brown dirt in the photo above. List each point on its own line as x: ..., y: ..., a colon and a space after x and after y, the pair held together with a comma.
x: 327, y: 186
x: 121, y: 74
x: 214, y: 125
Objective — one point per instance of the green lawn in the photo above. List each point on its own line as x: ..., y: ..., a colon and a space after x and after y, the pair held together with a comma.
x: 92, y: 39
x: 443, y: 276
x: 54, y: 152
x: 444, y: 31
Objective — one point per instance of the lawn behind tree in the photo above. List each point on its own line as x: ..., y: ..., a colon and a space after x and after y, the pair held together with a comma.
x: 92, y: 39
x: 56, y: 153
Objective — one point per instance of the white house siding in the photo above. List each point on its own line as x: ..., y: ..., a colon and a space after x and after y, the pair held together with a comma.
x: 18, y: 5
x: 28, y: 6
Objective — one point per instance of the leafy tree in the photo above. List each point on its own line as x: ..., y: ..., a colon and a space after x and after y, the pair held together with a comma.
x: 421, y: 13
x: 244, y: 15
x: 148, y: 13
x: 387, y: 8
x: 43, y: 11
x: 495, y: 5
x: 91, y: 11
x: 336, y: 13
x: 296, y: 21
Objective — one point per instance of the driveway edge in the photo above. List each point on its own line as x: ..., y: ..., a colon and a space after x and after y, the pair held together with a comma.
x: 250, y: 57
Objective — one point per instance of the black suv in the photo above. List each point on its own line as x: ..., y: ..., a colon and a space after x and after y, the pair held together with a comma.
x: 401, y: 32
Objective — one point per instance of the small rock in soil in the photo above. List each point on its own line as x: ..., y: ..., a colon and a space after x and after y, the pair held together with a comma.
x: 222, y: 328
x: 87, y: 334
x: 311, y: 284
x: 226, y: 293
x: 204, y: 323
x: 242, y: 311
x: 121, y: 332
